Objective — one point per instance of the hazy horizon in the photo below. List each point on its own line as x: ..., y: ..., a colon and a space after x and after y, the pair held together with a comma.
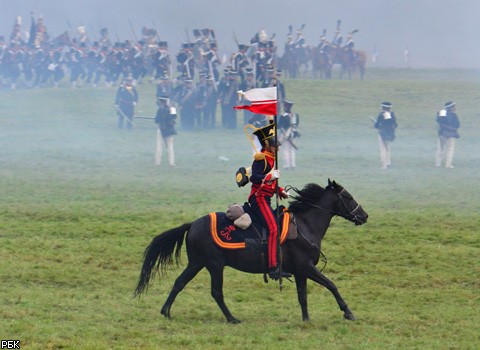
x: 438, y: 33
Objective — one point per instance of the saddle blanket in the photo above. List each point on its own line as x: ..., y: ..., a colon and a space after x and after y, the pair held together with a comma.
x: 226, y: 235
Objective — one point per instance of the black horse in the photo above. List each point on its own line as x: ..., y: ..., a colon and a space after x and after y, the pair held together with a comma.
x: 313, y: 209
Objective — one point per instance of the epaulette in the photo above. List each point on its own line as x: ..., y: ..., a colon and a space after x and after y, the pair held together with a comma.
x: 259, y: 156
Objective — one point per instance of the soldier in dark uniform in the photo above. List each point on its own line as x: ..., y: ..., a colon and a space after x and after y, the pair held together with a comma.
x: 261, y: 58
x: 269, y: 80
x: 165, y: 119
x: 186, y: 102
x: 227, y: 94
x: 212, y: 61
x: 200, y: 91
x: 448, y: 124
x: 240, y: 61
x: 386, y: 124
x: 210, y: 104
x: 161, y: 60
x: 92, y: 61
x: 136, y: 61
x: 10, y: 64
x: 164, y: 86
x: 186, y: 62
x: 76, y: 60
x: 125, y: 101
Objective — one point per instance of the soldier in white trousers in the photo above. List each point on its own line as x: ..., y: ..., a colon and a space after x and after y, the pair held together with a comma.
x: 287, y: 126
x: 448, y: 124
x: 165, y: 119
x: 386, y: 124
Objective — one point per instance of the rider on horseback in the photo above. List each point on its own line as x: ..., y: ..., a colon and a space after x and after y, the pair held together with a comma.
x: 264, y: 183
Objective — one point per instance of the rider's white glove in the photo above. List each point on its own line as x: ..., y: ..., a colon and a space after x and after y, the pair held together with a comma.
x: 276, y: 174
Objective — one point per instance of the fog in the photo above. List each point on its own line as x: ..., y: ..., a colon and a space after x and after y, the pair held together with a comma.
x: 438, y: 33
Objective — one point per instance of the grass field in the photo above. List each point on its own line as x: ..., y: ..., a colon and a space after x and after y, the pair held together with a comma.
x: 81, y: 200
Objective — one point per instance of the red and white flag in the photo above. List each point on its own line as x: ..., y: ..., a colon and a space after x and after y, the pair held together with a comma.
x: 264, y: 100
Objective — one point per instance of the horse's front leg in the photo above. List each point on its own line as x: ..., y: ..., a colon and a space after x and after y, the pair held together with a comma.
x: 301, y: 282
x: 216, y: 274
x: 186, y: 276
x: 320, y: 278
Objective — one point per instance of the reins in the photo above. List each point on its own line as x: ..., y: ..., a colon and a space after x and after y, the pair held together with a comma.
x: 350, y: 214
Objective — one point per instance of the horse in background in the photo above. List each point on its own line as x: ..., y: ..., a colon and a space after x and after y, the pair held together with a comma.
x: 295, y: 63
x: 349, y: 64
x: 321, y: 64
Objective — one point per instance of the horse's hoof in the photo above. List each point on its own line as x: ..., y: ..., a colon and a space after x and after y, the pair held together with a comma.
x: 234, y: 321
x: 349, y: 317
x: 165, y: 313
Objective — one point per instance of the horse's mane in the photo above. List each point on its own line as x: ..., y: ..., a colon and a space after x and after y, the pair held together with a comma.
x: 306, y: 196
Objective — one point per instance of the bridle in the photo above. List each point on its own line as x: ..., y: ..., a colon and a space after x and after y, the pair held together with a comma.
x: 351, y: 215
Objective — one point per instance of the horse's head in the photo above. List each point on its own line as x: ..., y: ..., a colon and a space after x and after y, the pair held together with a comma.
x: 347, y: 207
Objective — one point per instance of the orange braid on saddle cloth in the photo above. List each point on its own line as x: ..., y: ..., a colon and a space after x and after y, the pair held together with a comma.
x: 226, y: 235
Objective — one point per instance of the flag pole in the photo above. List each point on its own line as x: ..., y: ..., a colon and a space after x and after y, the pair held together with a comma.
x: 277, y: 196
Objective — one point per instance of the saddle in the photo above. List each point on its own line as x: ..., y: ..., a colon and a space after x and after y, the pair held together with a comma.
x: 240, y: 228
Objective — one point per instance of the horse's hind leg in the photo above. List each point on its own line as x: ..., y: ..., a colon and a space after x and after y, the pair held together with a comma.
x: 216, y: 273
x: 320, y: 278
x: 186, y: 276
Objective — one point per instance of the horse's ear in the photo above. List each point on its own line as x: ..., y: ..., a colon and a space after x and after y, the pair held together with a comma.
x: 329, y: 182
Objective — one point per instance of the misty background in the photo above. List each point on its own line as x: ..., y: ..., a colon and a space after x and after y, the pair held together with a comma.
x: 437, y: 33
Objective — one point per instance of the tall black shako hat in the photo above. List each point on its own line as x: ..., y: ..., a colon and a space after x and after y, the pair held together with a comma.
x: 266, y: 136
x: 449, y: 104
x: 386, y: 104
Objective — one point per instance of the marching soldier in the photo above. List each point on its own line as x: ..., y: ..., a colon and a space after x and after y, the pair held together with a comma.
x: 212, y: 61
x: 227, y: 95
x: 186, y: 102
x: 448, y: 124
x: 125, y: 101
x: 261, y: 62
x: 165, y: 119
x: 240, y: 61
x: 161, y: 60
x: 210, y: 103
x: 186, y: 61
x: 200, y: 92
x: 164, y: 86
x: 386, y: 124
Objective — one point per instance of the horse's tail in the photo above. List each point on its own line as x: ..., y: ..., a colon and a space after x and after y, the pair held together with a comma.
x: 159, y: 254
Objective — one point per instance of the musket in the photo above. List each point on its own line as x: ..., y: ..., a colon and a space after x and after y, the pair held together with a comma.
x: 118, y: 109
x: 143, y: 117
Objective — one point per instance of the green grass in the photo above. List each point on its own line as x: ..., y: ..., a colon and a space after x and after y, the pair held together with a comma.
x: 81, y: 200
